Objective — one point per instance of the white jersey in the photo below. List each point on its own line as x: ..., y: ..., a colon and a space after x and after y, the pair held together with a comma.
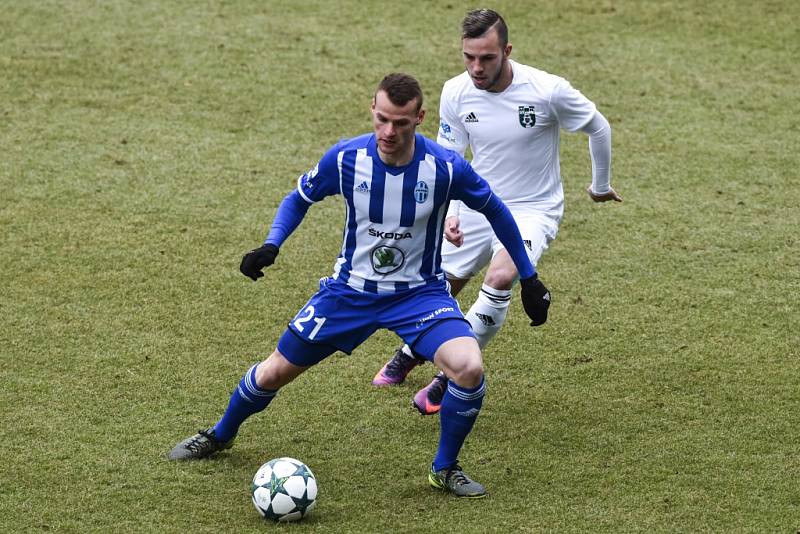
x: 514, y: 135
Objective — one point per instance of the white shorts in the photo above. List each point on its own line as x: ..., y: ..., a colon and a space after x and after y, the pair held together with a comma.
x: 537, y: 228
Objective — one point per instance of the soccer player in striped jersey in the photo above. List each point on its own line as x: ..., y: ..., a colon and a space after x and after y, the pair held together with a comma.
x: 396, y: 186
x: 510, y: 115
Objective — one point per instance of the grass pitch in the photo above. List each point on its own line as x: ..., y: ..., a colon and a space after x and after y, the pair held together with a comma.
x: 144, y: 146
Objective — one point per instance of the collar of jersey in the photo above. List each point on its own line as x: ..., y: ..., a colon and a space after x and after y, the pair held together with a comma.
x: 419, y: 154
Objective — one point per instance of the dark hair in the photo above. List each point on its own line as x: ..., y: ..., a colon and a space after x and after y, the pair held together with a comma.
x: 401, y: 89
x: 479, y: 21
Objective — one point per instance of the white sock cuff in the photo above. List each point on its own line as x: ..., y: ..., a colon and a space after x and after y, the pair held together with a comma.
x: 496, y: 298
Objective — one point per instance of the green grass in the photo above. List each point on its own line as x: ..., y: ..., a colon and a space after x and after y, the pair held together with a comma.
x: 144, y: 147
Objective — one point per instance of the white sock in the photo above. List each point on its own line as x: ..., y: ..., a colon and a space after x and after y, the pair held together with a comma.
x: 488, y: 313
x: 407, y: 351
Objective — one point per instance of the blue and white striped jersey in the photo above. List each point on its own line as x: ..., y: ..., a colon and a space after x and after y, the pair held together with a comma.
x: 394, y: 216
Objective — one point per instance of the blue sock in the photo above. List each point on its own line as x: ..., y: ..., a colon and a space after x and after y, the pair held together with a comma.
x: 246, y: 400
x: 460, y: 408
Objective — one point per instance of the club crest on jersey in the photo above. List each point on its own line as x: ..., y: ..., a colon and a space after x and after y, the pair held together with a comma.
x: 421, y: 192
x: 527, y: 119
x: 446, y: 132
x: 386, y: 260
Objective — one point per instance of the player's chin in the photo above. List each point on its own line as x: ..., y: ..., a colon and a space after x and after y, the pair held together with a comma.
x: 480, y: 83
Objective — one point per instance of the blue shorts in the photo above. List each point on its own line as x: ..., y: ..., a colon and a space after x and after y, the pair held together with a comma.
x: 338, y: 317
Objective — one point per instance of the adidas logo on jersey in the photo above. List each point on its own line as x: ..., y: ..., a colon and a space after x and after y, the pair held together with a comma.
x: 363, y: 187
x: 471, y: 117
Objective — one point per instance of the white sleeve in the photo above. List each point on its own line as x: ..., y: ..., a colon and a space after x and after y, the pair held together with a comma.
x: 452, y: 135
x: 573, y: 109
x: 599, y: 132
x: 453, y: 209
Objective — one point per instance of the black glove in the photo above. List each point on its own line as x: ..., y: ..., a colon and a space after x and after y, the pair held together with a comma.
x: 535, y: 299
x: 257, y: 259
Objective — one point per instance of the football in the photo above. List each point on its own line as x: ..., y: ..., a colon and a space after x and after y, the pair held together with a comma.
x: 284, y: 489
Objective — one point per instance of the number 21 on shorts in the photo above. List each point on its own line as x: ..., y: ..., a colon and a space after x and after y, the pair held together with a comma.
x: 306, y: 315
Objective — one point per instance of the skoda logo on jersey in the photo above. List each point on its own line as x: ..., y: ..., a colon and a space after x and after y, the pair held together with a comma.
x: 526, y: 117
x: 421, y: 192
x: 380, y: 234
x: 386, y: 260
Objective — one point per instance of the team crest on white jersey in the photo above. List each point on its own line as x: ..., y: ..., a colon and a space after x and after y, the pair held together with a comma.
x: 446, y: 131
x: 386, y: 260
x: 527, y: 119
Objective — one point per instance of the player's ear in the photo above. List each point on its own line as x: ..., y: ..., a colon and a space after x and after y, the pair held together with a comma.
x: 507, y: 51
x: 420, y: 116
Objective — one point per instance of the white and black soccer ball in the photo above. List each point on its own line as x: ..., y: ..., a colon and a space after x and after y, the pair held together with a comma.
x: 284, y: 489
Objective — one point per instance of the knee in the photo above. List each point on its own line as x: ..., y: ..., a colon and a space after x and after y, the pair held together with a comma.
x: 500, y: 277
x: 263, y: 378
x: 268, y: 373
x: 470, y: 372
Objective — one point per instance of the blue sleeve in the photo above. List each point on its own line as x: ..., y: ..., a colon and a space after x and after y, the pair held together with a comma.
x: 288, y: 217
x: 313, y: 186
x: 506, y: 230
x: 323, y: 179
x: 475, y: 192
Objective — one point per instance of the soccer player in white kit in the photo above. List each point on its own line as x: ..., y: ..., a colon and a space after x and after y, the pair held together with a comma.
x: 510, y: 115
